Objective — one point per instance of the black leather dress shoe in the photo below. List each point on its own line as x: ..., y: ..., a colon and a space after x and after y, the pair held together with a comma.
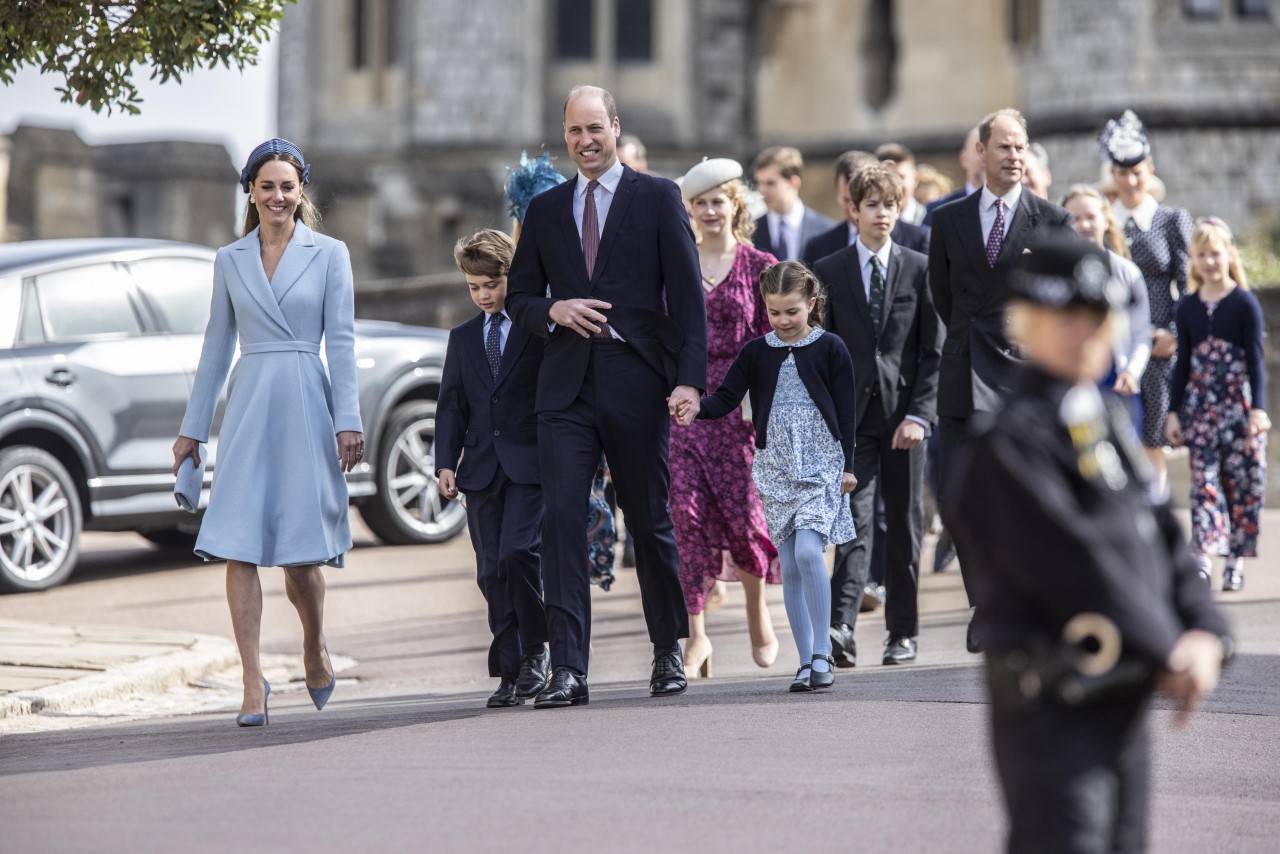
x: 843, y: 648
x: 566, y: 688
x: 899, y: 649
x: 535, y: 672
x: 667, y: 678
x: 971, y: 641
x: 505, y: 696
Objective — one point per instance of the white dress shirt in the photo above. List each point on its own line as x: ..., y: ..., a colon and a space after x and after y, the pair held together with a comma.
x: 504, y: 331
x: 987, y: 209
x: 794, y: 219
x: 853, y: 234
x: 1143, y: 215
x: 604, y: 196
x: 864, y: 264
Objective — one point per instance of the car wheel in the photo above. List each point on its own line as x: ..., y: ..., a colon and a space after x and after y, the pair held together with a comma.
x: 174, y: 539
x: 39, y: 520
x: 406, y: 509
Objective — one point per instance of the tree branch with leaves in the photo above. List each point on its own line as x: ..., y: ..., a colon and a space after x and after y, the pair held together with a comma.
x: 94, y: 45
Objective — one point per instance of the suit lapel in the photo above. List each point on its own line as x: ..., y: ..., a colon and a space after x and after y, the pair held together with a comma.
x: 969, y: 224
x: 617, y: 211
x: 516, y: 340
x: 477, y: 329
x: 569, y: 228
x: 247, y: 257
x: 890, y: 284
x: 1025, y: 219
x: 297, y: 257
x: 852, y: 269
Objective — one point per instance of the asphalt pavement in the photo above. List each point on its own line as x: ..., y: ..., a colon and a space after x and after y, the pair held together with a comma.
x: 405, y: 757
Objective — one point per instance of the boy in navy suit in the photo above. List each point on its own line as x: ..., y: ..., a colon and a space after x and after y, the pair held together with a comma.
x: 879, y: 303
x: 486, y: 416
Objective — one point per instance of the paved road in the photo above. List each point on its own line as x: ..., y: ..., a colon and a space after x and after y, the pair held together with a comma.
x: 404, y: 758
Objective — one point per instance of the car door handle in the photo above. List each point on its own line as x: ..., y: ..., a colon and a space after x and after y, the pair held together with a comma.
x: 61, y: 377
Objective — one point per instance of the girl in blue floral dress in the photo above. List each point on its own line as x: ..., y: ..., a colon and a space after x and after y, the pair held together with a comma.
x: 800, y: 381
x: 1218, y: 403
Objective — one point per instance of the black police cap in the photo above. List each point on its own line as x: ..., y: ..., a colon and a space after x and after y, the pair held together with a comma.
x: 1060, y: 273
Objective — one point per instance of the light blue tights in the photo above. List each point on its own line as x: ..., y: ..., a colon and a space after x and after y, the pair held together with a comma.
x: 806, y: 592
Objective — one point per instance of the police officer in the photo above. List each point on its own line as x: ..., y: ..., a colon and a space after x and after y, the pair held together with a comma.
x: 1090, y: 599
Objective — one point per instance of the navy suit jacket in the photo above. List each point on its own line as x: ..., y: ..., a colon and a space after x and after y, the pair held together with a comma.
x: 953, y: 196
x: 646, y: 268
x: 811, y: 225
x: 836, y: 239
x: 902, y: 356
x: 970, y: 296
x: 489, y: 424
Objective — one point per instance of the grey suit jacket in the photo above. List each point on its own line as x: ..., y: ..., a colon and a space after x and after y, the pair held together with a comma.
x: 811, y: 225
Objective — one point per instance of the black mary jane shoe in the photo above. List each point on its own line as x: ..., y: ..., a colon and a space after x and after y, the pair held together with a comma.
x: 505, y: 697
x: 819, y: 679
x: 801, y: 683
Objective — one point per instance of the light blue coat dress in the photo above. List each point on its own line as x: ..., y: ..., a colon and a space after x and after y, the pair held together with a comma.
x: 279, y: 497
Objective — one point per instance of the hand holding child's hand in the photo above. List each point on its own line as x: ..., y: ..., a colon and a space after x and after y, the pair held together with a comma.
x: 1173, y: 430
x: 848, y: 483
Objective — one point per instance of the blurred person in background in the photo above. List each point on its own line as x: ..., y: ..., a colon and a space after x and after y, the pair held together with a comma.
x: 788, y: 224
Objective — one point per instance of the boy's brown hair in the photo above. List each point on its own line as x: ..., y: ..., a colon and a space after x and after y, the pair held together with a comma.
x: 788, y: 161
x: 875, y: 179
x: 488, y: 252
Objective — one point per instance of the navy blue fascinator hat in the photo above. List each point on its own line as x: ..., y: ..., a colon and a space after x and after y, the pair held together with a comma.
x: 1124, y: 141
x: 273, y: 146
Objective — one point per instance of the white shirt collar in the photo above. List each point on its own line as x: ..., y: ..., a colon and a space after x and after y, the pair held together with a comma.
x: 609, y: 180
x: 864, y: 255
x: 1143, y: 215
x: 1010, y: 198
x: 488, y: 316
x: 794, y: 218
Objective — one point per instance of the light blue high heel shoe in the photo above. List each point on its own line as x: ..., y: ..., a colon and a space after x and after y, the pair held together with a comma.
x: 257, y: 720
x: 320, y: 696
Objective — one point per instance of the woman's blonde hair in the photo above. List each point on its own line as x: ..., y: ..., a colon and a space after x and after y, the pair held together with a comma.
x: 306, y: 211
x: 1113, y: 235
x: 792, y: 277
x: 1211, y: 228
x: 742, y: 224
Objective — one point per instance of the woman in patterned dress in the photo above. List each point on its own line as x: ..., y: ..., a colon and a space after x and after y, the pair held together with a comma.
x: 719, y: 522
x: 1158, y: 236
x: 1219, y: 398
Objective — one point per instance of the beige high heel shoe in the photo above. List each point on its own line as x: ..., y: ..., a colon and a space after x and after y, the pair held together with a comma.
x: 765, y: 656
x: 699, y: 663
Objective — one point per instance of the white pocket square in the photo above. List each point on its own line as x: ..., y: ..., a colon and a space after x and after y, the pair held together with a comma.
x: 186, y: 489
x: 1026, y: 251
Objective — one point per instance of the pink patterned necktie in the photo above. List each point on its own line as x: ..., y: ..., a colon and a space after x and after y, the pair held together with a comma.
x: 590, y: 228
x: 996, y: 238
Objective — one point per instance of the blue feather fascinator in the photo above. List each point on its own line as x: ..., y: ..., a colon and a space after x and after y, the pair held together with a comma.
x: 529, y: 179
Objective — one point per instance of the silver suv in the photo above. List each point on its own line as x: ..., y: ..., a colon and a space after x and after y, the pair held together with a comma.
x: 99, y: 341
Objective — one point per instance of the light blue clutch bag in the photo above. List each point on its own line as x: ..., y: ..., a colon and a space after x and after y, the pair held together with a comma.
x: 189, y: 483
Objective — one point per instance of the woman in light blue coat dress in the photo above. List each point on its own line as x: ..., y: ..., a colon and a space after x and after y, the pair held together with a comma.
x: 290, y: 429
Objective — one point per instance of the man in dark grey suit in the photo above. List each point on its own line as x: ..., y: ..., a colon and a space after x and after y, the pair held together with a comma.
x: 789, y: 224
x: 976, y: 241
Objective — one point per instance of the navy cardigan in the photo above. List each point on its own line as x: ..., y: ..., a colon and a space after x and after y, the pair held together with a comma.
x: 1238, y: 319
x: 826, y: 370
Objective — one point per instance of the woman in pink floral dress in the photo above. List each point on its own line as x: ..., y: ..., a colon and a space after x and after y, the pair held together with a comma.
x: 719, y: 521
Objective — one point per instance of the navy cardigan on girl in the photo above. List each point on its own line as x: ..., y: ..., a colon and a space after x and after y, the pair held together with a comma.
x: 1238, y: 319
x: 826, y: 370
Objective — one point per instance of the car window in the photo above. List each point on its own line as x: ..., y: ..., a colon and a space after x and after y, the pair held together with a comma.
x: 180, y: 290
x: 31, y: 330
x: 83, y: 302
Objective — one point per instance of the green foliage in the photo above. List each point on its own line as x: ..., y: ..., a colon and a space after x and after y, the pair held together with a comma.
x: 1260, y: 253
x: 94, y: 45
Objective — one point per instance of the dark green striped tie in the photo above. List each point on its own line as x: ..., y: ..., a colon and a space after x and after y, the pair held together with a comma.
x: 876, y: 301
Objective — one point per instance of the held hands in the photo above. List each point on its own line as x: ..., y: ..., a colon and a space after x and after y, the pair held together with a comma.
x: 580, y: 315
x: 183, y: 448
x: 350, y: 449
x: 1173, y: 430
x: 1191, y: 671
x: 1126, y: 384
x: 908, y: 435
x: 448, y: 485
x: 848, y: 483
x: 684, y: 404
x: 1163, y: 343
x: 1259, y: 423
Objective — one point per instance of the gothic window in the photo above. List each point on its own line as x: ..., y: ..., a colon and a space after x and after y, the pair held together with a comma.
x: 574, y: 26
x: 1203, y: 10
x: 359, y: 34
x: 1253, y: 8
x: 634, y: 33
x: 880, y: 54
x: 1024, y: 23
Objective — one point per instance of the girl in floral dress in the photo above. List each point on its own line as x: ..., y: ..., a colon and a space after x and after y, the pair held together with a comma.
x: 1218, y: 403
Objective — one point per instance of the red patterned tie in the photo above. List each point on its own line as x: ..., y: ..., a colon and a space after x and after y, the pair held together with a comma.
x: 590, y: 228
x: 996, y: 239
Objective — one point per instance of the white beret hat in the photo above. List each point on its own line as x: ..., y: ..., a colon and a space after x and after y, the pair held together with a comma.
x: 708, y: 175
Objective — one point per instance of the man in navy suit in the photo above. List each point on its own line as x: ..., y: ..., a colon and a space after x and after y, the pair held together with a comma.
x: 843, y: 234
x: 788, y: 225
x: 880, y: 305
x: 976, y: 241
x: 974, y: 174
x: 607, y: 270
x: 485, y: 416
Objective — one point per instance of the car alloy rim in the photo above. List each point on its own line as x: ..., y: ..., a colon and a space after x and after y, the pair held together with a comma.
x: 35, y: 523
x: 411, y: 480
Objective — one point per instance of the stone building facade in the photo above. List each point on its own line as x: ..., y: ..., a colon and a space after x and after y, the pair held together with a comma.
x: 411, y: 111
x: 53, y: 184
